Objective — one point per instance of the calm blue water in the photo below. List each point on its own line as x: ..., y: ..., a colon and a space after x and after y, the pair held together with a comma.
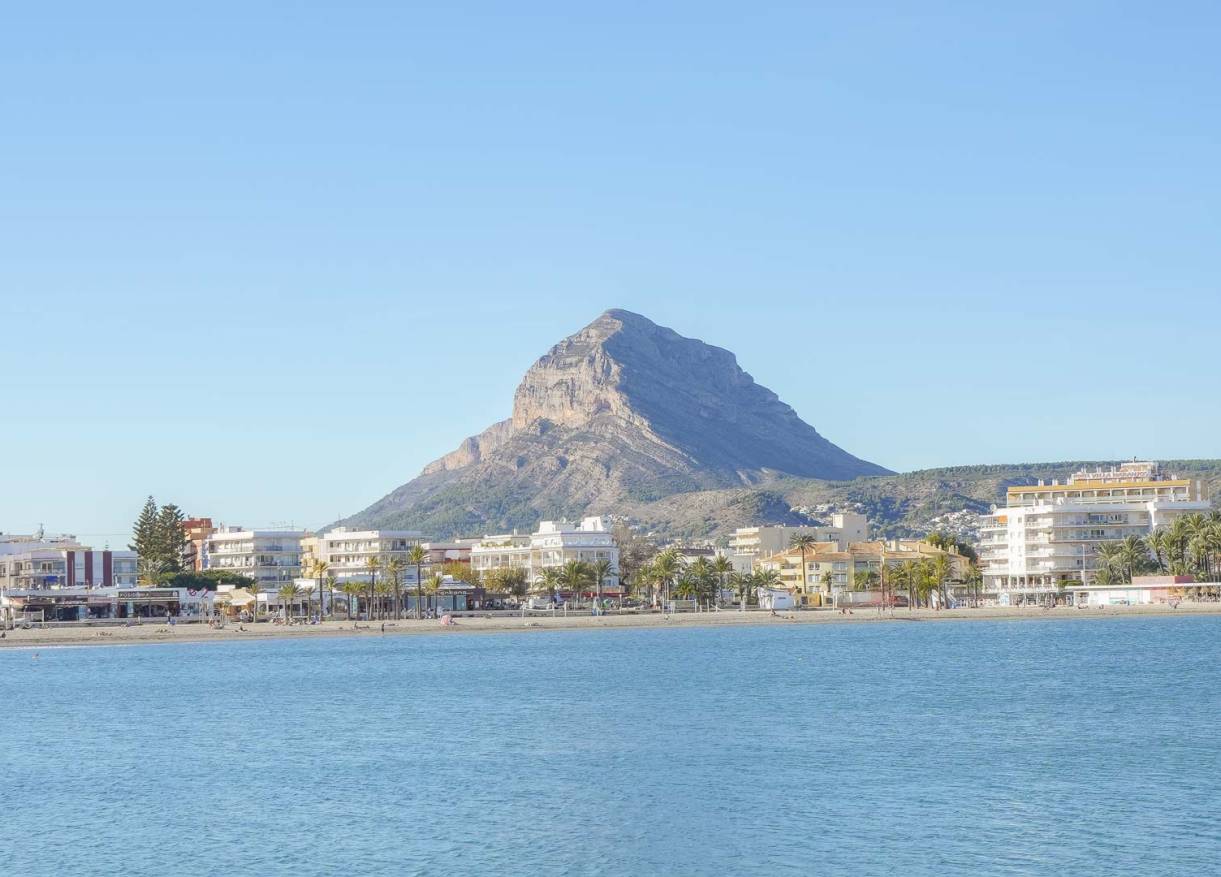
x: 1057, y: 747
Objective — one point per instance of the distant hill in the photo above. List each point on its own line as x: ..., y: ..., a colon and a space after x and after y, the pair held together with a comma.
x: 897, y: 505
x: 621, y: 414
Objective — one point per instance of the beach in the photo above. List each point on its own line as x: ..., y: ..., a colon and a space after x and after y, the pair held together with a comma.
x: 502, y: 622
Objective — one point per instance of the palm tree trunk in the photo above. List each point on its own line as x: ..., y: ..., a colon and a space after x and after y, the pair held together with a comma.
x: 419, y: 592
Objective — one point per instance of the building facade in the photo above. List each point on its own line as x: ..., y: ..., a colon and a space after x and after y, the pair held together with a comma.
x: 552, y: 545
x: 1045, y: 541
x: 831, y: 571
x: 197, y: 531
x: 750, y: 544
x: 55, y: 578
x: 270, y: 557
x: 347, y: 553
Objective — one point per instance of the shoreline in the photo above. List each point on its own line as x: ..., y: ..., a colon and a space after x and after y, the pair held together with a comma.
x: 199, y: 633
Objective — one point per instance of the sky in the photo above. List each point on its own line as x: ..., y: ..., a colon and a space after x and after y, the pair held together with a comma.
x: 267, y: 260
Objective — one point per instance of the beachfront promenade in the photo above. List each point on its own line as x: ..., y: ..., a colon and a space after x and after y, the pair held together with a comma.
x: 503, y: 622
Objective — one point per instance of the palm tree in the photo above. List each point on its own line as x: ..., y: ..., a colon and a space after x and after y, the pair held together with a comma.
x: 1178, y: 536
x: 665, y: 568
x: 925, y: 579
x: 288, y: 594
x: 317, y: 570
x: 433, y: 586
x: 352, y: 588
x: 548, y: 581
x: 1159, y: 543
x: 1110, y: 559
x: 601, y: 570
x: 394, y: 569
x: 701, y: 573
x: 1134, y: 555
x: 942, y: 568
x: 764, y: 578
x: 687, y: 585
x: 802, y: 542
x: 384, y: 589
x: 975, y: 582
x: 575, y: 576
x: 722, y: 567
x: 416, y: 557
x: 373, y: 565
x: 740, y: 582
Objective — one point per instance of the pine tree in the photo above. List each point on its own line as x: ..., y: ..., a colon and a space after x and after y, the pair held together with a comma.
x: 144, y: 533
x: 171, y: 538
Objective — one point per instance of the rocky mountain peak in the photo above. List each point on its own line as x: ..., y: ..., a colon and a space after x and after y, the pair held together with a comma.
x: 622, y: 409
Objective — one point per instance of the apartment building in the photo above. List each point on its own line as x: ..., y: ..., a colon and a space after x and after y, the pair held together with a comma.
x: 749, y: 544
x: 270, y: 557
x: 553, y: 544
x: 831, y: 569
x: 347, y: 552
x: 1046, y: 538
x: 40, y: 562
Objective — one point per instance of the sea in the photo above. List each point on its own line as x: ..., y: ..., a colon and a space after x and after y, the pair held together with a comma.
x: 1047, y: 747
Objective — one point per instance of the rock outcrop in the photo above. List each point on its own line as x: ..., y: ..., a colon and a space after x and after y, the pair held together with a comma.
x: 623, y: 411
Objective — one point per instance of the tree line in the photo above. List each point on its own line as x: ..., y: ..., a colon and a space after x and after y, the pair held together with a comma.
x: 1190, y: 545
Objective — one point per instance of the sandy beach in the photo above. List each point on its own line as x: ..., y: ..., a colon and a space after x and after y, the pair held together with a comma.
x: 537, y: 622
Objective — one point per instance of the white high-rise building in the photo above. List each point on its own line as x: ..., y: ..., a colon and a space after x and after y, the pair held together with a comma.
x: 1046, y: 538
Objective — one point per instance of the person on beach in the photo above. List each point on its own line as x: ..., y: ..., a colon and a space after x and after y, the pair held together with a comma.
x: 383, y: 628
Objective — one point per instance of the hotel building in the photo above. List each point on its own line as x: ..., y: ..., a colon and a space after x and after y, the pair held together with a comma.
x: 749, y: 544
x: 554, y: 544
x: 1046, y: 538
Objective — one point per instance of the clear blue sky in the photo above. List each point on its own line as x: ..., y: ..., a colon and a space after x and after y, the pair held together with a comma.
x: 267, y: 260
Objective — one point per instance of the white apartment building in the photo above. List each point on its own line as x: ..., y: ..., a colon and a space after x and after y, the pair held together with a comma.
x: 1046, y: 538
x: 347, y: 552
x: 270, y: 557
x: 748, y: 545
x: 553, y: 544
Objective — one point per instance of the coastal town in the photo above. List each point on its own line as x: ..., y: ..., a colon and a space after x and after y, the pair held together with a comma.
x: 1129, y: 535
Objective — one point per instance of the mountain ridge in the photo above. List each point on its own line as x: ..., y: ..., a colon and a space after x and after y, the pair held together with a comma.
x: 621, y: 411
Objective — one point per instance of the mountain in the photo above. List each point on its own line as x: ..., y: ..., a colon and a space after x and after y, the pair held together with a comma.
x: 622, y: 413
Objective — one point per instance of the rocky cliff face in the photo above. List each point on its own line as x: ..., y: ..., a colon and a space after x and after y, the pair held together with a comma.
x: 622, y: 411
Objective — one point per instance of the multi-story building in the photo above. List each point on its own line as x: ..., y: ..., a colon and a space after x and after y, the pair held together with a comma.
x: 552, y: 545
x: 1047, y: 537
x: 55, y: 578
x: 749, y: 544
x: 347, y: 552
x: 452, y: 551
x: 197, y: 531
x: 832, y: 569
x: 48, y: 562
x: 270, y: 557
